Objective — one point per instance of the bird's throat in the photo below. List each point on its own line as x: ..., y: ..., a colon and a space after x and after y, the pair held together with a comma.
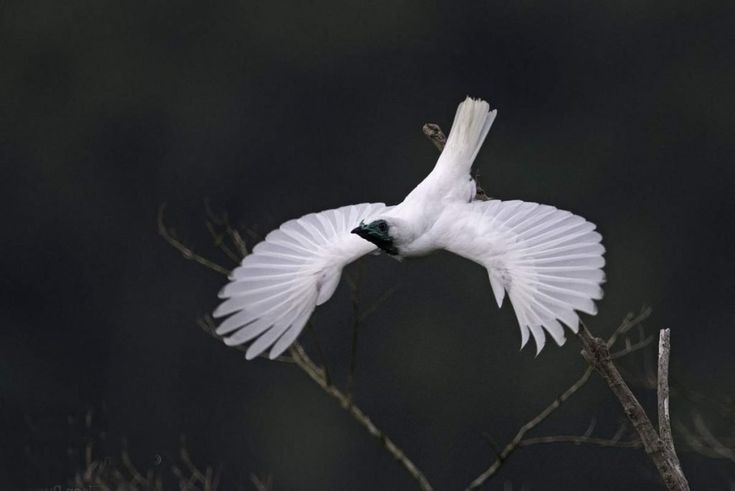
x: 386, y: 246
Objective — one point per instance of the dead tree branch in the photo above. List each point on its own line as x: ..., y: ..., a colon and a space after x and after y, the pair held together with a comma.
x: 260, y: 484
x: 664, y: 418
x: 628, y: 323
x: 434, y: 133
x: 186, y: 252
x: 597, y: 353
x: 316, y: 374
x: 514, y: 444
x: 581, y: 440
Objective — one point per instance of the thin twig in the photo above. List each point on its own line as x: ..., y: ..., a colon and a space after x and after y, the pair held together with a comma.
x: 320, y: 352
x: 237, y: 239
x: 434, y: 133
x: 725, y: 407
x: 317, y: 375
x: 514, y: 444
x: 631, y: 348
x: 128, y: 465
x: 224, y: 221
x: 261, y: 485
x: 219, y: 242
x: 194, y: 472
x: 377, y: 303
x: 185, y: 251
x: 629, y: 323
x: 580, y: 440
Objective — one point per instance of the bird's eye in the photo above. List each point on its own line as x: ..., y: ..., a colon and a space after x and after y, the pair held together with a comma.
x: 383, y: 227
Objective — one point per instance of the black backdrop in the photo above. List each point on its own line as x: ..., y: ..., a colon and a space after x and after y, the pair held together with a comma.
x: 621, y: 112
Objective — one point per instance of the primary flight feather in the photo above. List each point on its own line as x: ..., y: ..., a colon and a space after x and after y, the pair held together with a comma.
x: 548, y: 261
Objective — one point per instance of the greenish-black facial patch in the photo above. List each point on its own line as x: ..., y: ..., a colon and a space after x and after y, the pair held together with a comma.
x: 377, y: 232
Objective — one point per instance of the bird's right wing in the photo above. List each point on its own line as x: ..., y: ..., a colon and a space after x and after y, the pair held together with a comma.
x: 272, y: 294
x: 548, y: 260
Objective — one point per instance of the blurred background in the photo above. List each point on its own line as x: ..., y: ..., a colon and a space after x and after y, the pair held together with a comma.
x: 621, y: 112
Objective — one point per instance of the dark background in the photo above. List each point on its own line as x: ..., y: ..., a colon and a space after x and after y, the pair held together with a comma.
x: 619, y: 111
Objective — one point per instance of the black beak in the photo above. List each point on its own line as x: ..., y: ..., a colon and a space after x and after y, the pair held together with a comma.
x: 359, y: 230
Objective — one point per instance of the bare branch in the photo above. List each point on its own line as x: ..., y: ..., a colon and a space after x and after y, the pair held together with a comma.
x: 434, y: 133
x: 222, y: 220
x: 185, y: 251
x: 590, y: 428
x: 319, y: 350
x: 377, y: 303
x: 631, y: 348
x: 597, y: 353
x: 628, y: 323
x: 531, y: 424
x: 260, y: 484
x: 317, y: 375
x: 664, y: 418
x: 219, y: 241
x: 725, y: 407
x: 239, y: 242
x: 128, y: 465
x: 580, y: 440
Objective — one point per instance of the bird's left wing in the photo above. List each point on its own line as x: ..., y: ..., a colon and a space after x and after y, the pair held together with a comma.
x: 272, y: 294
x: 548, y: 260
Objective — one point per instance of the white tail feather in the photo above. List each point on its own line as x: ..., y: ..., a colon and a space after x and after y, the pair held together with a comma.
x: 471, y: 125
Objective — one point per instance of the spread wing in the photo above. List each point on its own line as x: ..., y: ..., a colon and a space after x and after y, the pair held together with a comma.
x: 548, y: 260
x: 272, y: 294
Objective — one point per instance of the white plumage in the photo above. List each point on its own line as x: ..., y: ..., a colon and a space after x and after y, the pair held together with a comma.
x: 548, y: 261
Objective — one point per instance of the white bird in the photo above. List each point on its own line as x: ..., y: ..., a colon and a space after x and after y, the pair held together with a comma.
x: 549, y: 261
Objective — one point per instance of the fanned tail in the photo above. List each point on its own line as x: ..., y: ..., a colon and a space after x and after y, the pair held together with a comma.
x: 471, y: 125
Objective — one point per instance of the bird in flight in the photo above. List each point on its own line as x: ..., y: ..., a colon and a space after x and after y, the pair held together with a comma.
x: 547, y: 260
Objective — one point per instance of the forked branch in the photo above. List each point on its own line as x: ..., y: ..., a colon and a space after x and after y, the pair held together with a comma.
x: 518, y: 440
x: 597, y: 354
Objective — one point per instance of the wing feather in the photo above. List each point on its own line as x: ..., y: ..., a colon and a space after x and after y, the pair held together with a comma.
x: 549, y: 261
x: 291, y: 334
x: 274, y: 291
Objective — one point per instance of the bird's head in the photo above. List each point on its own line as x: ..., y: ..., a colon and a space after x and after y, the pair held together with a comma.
x: 380, y: 232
